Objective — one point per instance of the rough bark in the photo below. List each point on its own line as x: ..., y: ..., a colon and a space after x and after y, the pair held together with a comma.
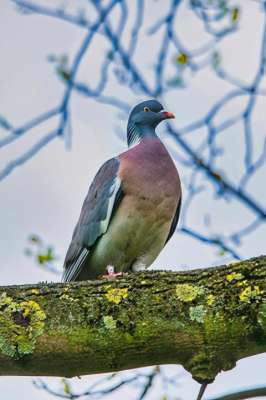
x: 204, y: 319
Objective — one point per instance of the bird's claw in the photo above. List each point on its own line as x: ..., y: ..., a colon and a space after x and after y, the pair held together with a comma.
x: 111, y: 274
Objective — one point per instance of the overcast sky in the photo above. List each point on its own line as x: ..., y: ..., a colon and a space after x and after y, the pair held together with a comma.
x: 44, y: 196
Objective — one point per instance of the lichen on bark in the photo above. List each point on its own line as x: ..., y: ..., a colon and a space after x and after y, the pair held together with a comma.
x: 205, y: 320
x: 20, y: 325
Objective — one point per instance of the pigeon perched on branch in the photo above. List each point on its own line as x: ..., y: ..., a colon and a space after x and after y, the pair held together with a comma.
x: 132, y: 207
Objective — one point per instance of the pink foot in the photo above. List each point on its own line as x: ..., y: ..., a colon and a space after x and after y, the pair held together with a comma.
x: 111, y: 274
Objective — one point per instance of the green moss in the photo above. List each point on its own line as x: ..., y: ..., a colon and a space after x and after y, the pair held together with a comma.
x: 116, y: 295
x: 262, y: 316
x: 128, y: 337
x: 197, y: 313
x: 201, y: 368
x: 109, y: 322
x: 20, y: 325
x: 187, y: 293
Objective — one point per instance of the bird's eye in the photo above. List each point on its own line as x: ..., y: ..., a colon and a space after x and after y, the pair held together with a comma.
x: 146, y: 109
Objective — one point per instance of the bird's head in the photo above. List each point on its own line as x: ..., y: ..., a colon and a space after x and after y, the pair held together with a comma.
x: 144, y: 118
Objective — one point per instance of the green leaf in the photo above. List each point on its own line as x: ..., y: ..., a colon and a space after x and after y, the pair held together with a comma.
x: 235, y: 14
x: 64, y: 74
x: 35, y: 239
x: 66, y: 386
x: 182, y: 59
x: 222, y: 253
x: 45, y: 257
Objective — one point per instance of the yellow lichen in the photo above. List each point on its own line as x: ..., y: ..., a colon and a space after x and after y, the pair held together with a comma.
x: 210, y: 299
x: 68, y: 298
x: 250, y: 293
x: 64, y: 297
x: 242, y: 283
x: 5, y: 300
x: 187, y: 293
x: 116, y: 295
x: 234, y: 276
x: 35, y: 291
x: 20, y: 325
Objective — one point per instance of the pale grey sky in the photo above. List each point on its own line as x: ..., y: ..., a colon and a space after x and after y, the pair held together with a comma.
x: 45, y: 195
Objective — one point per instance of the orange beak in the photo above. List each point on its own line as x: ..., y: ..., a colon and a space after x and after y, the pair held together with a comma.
x: 168, y: 114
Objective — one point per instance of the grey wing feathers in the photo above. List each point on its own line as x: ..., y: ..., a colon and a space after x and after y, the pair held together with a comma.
x: 102, y: 199
x: 175, y: 221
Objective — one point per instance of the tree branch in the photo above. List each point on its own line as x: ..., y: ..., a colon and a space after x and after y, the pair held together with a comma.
x: 204, y: 319
x: 243, y: 394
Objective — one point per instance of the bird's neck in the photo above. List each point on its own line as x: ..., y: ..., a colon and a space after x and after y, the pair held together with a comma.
x: 135, y: 133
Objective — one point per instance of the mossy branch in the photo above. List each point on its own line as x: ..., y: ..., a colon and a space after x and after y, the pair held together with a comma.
x: 204, y: 319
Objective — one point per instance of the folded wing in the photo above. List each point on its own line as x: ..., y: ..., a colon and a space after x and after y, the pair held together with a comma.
x: 103, y: 198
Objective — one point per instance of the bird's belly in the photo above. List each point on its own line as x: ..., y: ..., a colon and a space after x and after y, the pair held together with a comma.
x: 135, y: 236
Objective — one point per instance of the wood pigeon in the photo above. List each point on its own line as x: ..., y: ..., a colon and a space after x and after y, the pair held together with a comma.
x: 132, y: 207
